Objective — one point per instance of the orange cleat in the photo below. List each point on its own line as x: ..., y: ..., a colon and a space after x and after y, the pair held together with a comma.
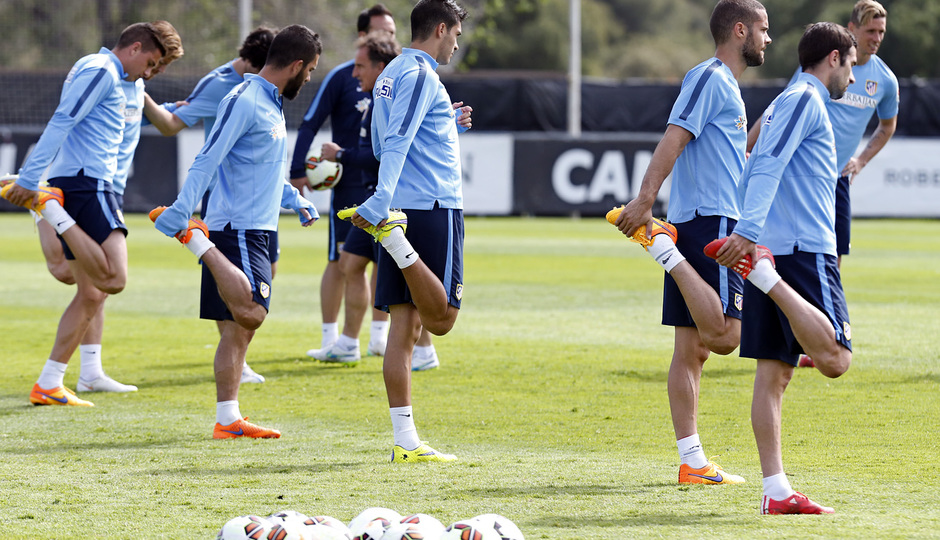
x: 243, y: 428
x: 183, y: 237
x: 37, y: 205
x: 57, y: 396
x: 709, y: 474
x: 659, y: 227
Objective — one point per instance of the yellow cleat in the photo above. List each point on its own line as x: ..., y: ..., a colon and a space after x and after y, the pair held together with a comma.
x: 396, y: 218
x: 57, y: 396
x: 709, y: 474
x: 420, y: 454
x: 659, y: 227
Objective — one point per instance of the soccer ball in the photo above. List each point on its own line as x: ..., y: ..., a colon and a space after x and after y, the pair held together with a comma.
x: 469, y: 529
x: 287, y: 525
x: 369, y: 521
x: 321, y: 174
x: 505, y: 529
x: 245, y: 528
x: 429, y: 525
x: 407, y: 531
x: 374, y: 530
x: 325, y: 528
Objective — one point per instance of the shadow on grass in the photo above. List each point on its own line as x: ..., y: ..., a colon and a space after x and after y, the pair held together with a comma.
x: 640, y: 520
x: 312, y: 468
x: 662, y: 375
x: 568, y: 490
x: 107, y: 442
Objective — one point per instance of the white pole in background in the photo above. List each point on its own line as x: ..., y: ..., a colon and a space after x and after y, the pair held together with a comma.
x: 574, y: 70
x: 244, y: 19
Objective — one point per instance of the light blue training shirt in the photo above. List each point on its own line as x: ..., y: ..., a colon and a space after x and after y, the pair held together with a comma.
x: 87, y: 126
x: 414, y: 137
x: 789, y: 183
x: 706, y: 174
x: 133, y: 113
x: 248, y: 149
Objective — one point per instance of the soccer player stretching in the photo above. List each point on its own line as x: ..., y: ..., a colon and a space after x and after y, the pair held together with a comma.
x: 414, y: 136
x: 248, y: 145
x: 81, y: 142
x: 704, y: 148
x: 788, y: 192
x: 875, y: 90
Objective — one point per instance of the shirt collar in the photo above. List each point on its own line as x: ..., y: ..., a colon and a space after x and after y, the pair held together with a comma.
x: 116, y: 60
x: 419, y: 52
x: 817, y: 84
x: 270, y: 89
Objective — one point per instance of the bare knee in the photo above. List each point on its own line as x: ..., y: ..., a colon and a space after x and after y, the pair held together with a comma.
x: 834, y: 366
x: 61, y: 272
x: 443, y: 325
x: 250, y: 319
x: 723, y: 344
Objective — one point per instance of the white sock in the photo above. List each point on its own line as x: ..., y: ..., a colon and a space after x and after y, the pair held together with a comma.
x: 346, y: 342
x: 403, y: 425
x: 378, y: 331
x: 665, y: 252
x: 764, y: 276
x: 91, y: 362
x: 52, y: 375
x: 227, y: 412
x: 690, y: 451
x: 423, y: 352
x: 199, y: 244
x: 330, y: 333
x: 777, y: 487
x: 60, y: 220
x: 400, y: 248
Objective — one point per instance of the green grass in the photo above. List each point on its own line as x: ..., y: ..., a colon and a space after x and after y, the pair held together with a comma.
x: 552, y: 391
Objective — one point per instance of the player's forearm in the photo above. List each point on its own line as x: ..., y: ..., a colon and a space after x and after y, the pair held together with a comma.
x: 167, y: 123
x: 878, y: 140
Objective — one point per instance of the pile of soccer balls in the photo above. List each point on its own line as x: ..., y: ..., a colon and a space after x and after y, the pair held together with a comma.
x: 370, y: 524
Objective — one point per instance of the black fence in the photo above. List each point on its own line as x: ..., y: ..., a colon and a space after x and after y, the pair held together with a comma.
x: 501, y: 102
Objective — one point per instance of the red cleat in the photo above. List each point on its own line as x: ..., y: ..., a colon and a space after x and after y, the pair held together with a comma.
x: 745, y: 265
x: 794, y: 504
x: 806, y: 361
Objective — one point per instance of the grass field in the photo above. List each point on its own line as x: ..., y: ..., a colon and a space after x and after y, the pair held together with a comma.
x: 552, y: 392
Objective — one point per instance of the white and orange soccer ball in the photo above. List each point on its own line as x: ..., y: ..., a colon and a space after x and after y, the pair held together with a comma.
x: 321, y: 174
x: 504, y: 527
x: 245, y: 528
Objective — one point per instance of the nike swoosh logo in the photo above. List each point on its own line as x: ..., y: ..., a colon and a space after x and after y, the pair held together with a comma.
x: 239, y: 432
x: 716, y: 478
x: 63, y: 399
x: 408, y: 256
x: 405, y: 415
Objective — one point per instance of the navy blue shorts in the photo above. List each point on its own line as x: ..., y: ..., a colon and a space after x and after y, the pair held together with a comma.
x: 843, y: 216
x: 437, y: 237
x: 693, y: 235
x: 274, y: 247
x: 359, y: 242
x: 765, y: 331
x: 93, y: 206
x: 339, y: 229
x: 248, y: 250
